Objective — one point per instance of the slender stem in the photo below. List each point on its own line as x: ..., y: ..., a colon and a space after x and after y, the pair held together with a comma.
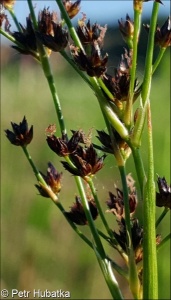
x: 35, y: 170
x: 32, y: 13
x: 163, y: 214
x: 139, y: 168
x: 108, y: 111
x: 150, y: 288
x: 9, y: 36
x: 11, y: 11
x: 164, y: 241
x: 48, y: 74
x: 89, y: 217
x: 133, y: 276
x: 158, y: 59
x: 129, y: 103
x: 105, y: 89
x: 106, y: 267
x: 104, y: 262
x: 149, y: 56
x: 69, y: 24
x: 94, y: 193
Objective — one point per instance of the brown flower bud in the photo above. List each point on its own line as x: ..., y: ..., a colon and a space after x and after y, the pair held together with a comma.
x: 72, y: 8
x: 53, y: 180
x: 77, y: 214
x: 21, y: 135
x: 94, y: 64
x: 163, y: 198
x: 86, y: 162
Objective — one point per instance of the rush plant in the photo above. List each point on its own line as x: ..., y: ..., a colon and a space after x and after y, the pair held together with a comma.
x: 125, y: 107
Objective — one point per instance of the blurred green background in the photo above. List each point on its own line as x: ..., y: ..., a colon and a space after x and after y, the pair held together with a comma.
x: 38, y: 248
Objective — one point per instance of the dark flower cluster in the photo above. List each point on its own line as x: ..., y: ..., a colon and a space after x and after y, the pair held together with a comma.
x: 90, y: 59
x: 127, y: 30
x: 27, y: 39
x: 77, y: 214
x: 93, y: 64
x: 21, y: 135
x: 84, y: 160
x: 50, y: 33
x: 53, y: 180
x: 88, y: 33
x: 163, y: 198
x: 107, y: 146
x: 72, y: 8
x: 163, y: 34
x: 115, y: 204
x: 118, y: 84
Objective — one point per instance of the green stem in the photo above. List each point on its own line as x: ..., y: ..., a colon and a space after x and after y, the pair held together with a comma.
x: 94, y: 193
x: 48, y: 74
x: 108, y: 111
x: 35, y: 170
x: 163, y: 214
x: 133, y: 276
x: 11, y: 11
x: 32, y: 13
x: 149, y: 56
x: 129, y: 103
x: 158, y: 59
x: 139, y: 168
x: 9, y: 36
x: 150, y: 288
x: 89, y: 217
x: 104, y: 262
x: 105, y: 89
x: 163, y: 242
x: 109, y: 94
x: 106, y: 267
x: 146, y: 85
x: 69, y: 24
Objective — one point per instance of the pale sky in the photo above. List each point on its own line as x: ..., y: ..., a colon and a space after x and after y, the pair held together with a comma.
x: 100, y: 11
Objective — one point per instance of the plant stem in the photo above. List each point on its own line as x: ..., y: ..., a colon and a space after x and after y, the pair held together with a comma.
x: 89, y: 217
x: 163, y: 214
x: 150, y: 288
x: 133, y: 276
x: 105, y: 264
x: 69, y: 24
x: 32, y: 13
x: 105, y: 89
x: 35, y: 170
x: 94, y: 193
x: 149, y: 56
x: 129, y: 103
x: 139, y: 168
x: 11, y: 11
x: 158, y: 59
x: 48, y: 74
x: 8, y: 36
x: 163, y: 242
